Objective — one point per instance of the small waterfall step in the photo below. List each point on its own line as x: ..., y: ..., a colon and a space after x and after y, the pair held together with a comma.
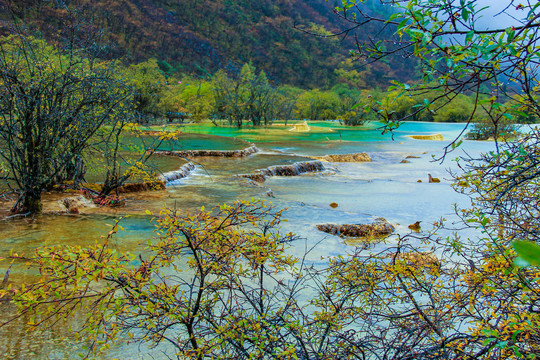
x: 285, y: 170
x: 184, y: 171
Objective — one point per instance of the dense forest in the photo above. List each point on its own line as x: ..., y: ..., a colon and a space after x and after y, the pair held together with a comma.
x: 201, y: 37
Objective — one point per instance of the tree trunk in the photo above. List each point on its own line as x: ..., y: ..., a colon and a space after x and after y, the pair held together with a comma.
x: 28, y: 202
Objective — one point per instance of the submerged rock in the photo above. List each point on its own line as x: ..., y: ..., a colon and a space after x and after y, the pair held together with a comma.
x: 285, y: 170
x: 209, y: 153
x: 405, y: 161
x: 379, y: 228
x: 412, y: 157
x: 257, y: 177
x: 356, y: 157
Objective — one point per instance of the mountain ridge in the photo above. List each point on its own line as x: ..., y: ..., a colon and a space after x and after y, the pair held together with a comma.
x: 201, y: 36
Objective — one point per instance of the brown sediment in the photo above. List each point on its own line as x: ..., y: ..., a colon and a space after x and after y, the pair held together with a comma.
x: 209, y: 153
x: 427, y: 137
x: 285, y: 170
x: 356, y: 157
x: 377, y: 229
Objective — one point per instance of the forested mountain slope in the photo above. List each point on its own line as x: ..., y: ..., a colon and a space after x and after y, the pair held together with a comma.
x: 202, y: 36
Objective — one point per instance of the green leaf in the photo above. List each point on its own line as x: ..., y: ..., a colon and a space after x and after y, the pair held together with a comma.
x: 426, y: 38
x: 511, y: 32
x: 528, y: 252
x: 465, y: 14
x: 469, y: 36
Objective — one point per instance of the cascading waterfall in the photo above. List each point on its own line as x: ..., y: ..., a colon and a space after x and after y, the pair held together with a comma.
x: 286, y: 170
x: 181, y: 173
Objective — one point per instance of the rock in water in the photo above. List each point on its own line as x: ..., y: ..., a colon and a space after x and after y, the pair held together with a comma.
x: 257, y: 177
x: 377, y: 229
x: 333, y: 205
x: 431, y: 179
x: 415, y: 227
x: 72, y: 205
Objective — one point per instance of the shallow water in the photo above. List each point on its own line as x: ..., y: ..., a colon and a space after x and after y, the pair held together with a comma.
x: 363, y: 191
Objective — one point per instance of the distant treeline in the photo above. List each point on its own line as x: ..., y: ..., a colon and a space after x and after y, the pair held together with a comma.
x: 248, y: 97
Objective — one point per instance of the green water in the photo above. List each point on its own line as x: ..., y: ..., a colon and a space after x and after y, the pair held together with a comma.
x: 363, y: 191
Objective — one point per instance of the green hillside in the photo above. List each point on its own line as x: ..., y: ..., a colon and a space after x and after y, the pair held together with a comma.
x: 200, y: 37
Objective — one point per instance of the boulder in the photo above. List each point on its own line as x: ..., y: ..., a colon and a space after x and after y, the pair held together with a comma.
x: 379, y: 228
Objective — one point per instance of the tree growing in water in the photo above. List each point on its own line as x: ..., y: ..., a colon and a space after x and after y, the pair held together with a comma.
x: 52, y: 103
